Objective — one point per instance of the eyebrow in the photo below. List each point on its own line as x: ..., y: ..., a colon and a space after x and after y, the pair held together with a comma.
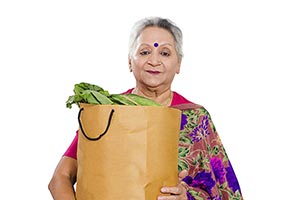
x: 163, y: 44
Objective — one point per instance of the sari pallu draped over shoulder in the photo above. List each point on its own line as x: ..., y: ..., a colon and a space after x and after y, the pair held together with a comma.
x: 201, y: 153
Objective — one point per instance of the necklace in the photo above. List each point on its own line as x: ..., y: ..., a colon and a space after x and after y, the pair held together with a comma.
x: 167, y: 102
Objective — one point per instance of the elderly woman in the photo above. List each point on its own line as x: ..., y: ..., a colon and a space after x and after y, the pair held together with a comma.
x: 155, y: 54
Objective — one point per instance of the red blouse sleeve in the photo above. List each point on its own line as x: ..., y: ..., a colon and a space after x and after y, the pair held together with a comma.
x: 72, y: 150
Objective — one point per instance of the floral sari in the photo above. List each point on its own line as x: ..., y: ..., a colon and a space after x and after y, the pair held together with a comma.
x: 201, y: 153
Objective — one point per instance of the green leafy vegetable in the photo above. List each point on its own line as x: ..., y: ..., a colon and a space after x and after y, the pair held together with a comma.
x: 94, y: 94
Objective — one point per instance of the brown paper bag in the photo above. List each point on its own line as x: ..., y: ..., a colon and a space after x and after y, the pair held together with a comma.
x: 126, y: 152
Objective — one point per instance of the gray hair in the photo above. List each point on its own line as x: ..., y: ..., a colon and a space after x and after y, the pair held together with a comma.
x: 156, y: 22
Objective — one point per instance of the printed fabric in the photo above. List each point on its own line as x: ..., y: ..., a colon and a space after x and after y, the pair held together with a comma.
x: 201, y: 153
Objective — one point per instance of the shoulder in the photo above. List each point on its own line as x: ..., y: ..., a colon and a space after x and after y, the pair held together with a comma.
x: 182, y: 103
x: 188, y: 106
x: 179, y: 99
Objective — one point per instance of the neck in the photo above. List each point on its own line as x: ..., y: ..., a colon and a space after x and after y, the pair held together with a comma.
x: 162, y: 97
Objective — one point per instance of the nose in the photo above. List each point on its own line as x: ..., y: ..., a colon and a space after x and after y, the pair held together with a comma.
x: 154, y: 60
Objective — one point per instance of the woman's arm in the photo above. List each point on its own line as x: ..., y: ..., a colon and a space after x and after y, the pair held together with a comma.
x: 64, y: 177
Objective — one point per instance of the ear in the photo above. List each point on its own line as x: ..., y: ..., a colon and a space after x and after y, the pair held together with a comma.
x: 129, y: 64
x: 178, y: 66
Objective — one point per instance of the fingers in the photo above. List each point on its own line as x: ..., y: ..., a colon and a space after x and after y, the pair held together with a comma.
x: 185, y: 185
x: 177, y: 193
x: 183, y: 174
x: 173, y: 197
x: 173, y: 190
x: 170, y: 198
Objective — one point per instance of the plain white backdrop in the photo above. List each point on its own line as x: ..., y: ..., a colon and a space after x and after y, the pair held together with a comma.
x: 241, y: 63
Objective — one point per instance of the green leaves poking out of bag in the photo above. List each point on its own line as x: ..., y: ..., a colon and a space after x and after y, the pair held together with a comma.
x: 94, y: 94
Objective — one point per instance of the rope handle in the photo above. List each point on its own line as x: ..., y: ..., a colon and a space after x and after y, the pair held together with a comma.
x: 102, y: 134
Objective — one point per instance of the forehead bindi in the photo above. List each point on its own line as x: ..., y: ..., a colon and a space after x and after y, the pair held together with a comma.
x: 155, y: 36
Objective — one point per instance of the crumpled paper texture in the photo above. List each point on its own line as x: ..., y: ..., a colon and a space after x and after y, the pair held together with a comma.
x: 135, y: 157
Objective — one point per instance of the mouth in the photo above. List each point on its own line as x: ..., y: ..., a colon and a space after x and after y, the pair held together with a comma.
x: 153, y: 72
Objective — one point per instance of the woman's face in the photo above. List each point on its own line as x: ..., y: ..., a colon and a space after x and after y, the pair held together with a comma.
x: 155, y: 62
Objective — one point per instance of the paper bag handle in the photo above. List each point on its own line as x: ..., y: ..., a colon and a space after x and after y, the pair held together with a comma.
x: 102, y: 134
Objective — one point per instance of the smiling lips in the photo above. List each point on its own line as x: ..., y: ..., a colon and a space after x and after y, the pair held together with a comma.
x: 152, y: 72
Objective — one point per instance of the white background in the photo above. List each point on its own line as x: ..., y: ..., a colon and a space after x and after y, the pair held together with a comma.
x: 241, y: 60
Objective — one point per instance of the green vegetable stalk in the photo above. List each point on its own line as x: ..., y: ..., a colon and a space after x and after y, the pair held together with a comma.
x: 94, y: 94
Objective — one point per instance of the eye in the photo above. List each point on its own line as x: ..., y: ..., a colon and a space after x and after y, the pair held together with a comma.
x: 144, y: 52
x: 164, y: 53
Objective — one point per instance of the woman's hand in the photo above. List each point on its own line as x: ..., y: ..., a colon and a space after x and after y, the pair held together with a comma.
x: 178, y: 192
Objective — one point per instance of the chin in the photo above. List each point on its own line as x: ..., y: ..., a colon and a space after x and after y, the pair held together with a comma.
x: 152, y: 84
